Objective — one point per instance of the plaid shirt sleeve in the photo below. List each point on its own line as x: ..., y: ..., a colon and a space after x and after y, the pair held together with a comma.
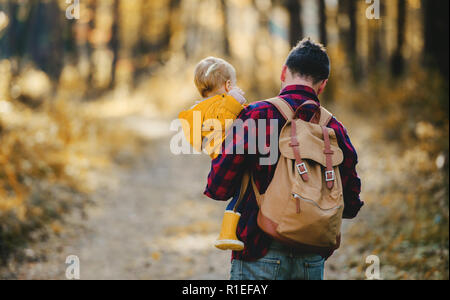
x: 351, y: 183
x: 228, y: 168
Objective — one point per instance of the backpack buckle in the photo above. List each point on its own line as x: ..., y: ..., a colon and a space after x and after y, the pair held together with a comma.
x: 302, y: 169
x: 329, y: 176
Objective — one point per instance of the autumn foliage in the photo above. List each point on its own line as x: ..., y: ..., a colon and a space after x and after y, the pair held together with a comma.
x: 66, y: 87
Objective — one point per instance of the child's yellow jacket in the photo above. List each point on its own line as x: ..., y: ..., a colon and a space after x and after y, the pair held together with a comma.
x: 222, y: 109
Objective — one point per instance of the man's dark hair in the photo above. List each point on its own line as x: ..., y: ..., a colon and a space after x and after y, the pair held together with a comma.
x: 309, y: 59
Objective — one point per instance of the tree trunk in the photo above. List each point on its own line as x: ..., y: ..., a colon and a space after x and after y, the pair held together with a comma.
x: 397, y: 62
x: 69, y: 41
x: 44, y: 41
x: 89, y: 46
x: 348, y: 34
x: 55, y: 49
x: 378, y: 50
x: 295, y: 25
x: 353, y: 27
x: 323, y: 22
x: 9, y: 41
x: 225, y: 32
x: 114, y: 42
x: 173, y: 6
x: 436, y: 35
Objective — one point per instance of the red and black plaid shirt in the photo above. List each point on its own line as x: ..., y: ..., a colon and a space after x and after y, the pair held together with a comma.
x: 226, y: 173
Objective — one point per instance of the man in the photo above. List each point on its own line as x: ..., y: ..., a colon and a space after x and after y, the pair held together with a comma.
x: 304, y: 77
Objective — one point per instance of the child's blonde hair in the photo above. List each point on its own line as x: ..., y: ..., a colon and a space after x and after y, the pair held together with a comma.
x: 211, y: 73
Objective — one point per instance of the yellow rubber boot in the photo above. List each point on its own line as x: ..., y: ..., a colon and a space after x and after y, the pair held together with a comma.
x: 227, y: 239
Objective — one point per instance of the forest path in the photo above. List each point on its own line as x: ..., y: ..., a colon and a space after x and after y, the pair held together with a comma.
x: 151, y: 221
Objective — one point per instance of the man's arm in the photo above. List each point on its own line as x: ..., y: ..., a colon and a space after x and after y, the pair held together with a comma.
x: 225, y: 177
x: 228, y: 168
x: 351, y: 183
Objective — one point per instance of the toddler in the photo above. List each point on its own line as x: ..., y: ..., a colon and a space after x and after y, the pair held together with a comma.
x: 221, y: 103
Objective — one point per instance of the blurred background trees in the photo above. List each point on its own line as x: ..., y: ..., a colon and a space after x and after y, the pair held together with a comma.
x: 393, y: 69
x: 117, y: 42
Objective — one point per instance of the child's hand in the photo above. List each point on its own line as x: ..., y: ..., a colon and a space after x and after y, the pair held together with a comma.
x: 238, y: 94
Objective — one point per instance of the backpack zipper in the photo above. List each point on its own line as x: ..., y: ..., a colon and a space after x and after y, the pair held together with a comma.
x: 298, y: 198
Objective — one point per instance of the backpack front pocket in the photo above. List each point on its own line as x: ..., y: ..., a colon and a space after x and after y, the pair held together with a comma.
x: 305, y: 222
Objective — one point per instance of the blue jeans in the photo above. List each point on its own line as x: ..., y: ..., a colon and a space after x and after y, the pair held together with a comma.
x: 280, y: 263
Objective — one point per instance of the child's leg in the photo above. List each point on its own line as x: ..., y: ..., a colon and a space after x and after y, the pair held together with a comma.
x: 227, y: 239
x: 233, y: 201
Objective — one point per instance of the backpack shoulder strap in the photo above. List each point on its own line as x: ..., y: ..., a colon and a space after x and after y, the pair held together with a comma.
x: 325, y: 116
x: 288, y: 113
x: 283, y: 107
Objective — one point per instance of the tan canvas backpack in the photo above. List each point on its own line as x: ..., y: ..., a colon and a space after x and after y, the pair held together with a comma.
x: 303, y: 204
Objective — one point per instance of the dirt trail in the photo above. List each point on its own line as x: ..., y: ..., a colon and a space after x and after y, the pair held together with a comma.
x: 151, y: 221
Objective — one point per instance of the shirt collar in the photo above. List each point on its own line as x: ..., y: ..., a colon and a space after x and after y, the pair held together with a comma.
x: 299, y: 89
